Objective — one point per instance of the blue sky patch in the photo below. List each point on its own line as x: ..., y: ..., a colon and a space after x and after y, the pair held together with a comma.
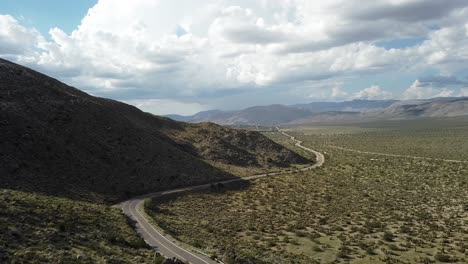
x: 44, y: 15
x: 400, y: 43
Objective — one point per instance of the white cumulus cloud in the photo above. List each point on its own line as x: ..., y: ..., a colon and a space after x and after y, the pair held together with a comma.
x: 420, y: 90
x: 192, y: 51
x: 16, y: 39
x: 338, y: 93
x: 374, y: 92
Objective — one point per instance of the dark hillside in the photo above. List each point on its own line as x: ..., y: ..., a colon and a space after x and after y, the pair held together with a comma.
x: 57, y: 140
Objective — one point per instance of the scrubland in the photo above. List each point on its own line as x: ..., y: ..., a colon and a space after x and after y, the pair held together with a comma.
x: 357, y: 208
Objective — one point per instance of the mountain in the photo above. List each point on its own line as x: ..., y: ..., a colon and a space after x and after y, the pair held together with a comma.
x: 258, y: 115
x: 204, y: 116
x: 276, y: 114
x: 58, y: 140
x: 335, y: 112
x: 346, y: 106
x: 436, y: 107
x: 177, y: 117
x: 261, y: 115
x: 407, y: 109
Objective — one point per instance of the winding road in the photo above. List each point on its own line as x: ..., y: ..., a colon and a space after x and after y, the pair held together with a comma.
x: 165, y: 244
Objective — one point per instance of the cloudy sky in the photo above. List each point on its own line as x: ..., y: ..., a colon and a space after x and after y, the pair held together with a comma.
x: 185, y: 56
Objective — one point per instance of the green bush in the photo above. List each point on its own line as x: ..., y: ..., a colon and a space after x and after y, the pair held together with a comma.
x: 443, y: 257
x: 388, y: 236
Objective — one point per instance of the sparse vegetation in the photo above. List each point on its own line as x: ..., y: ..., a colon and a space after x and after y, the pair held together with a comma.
x: 58, y: 140
x: 42, y: 229
x: 358, y: 208
x: 432, y: 138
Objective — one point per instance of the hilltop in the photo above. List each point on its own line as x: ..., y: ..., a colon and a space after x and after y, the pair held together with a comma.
x: 58, y: 140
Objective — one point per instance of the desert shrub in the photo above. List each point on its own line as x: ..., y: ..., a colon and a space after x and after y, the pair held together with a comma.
x: 442, y: 257
x: 344, y: 252
x: 388, y: 236
x: 370, y: 251
x: 317, y: 248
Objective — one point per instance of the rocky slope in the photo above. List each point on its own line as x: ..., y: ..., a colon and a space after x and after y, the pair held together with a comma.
x: 58, y: 140
x: 236, y: 147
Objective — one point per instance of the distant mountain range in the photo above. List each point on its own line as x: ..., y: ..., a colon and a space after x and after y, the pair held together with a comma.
x: 347, y: 106
x: 261, y: 115
x: 356, y: 110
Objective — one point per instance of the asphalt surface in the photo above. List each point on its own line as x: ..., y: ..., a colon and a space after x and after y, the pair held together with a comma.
x: 165, y: 244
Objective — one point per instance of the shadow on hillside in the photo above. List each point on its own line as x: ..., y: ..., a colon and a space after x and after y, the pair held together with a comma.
x: 60, y: 141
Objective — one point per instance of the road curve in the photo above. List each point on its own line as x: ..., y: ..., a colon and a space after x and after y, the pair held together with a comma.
x: 166, y: 245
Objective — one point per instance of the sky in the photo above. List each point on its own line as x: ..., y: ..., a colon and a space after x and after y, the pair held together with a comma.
x: 184, y: 56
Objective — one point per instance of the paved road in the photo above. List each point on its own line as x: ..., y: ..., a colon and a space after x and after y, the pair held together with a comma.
x: 166, y: 245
